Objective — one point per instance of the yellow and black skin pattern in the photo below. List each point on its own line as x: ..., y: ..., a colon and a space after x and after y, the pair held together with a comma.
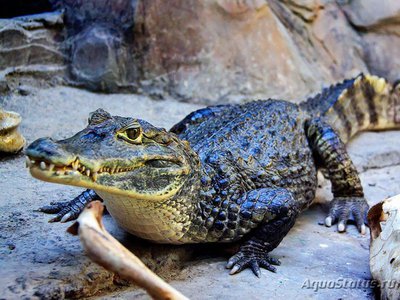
x: 227, y: 173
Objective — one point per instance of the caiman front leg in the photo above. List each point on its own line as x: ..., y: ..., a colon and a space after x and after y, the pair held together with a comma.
x: 346, y: 185
x: 274, y: 211
x: 69, y: 210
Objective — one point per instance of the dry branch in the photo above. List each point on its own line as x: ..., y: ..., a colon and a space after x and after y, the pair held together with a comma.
x: 105, y: 250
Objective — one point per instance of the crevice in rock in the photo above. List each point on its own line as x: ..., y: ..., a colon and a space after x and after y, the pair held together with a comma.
x: 383, y: 26
x: 293, y: 23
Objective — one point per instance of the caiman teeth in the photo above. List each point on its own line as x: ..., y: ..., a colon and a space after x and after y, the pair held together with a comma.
x: 75, y: 164
x: 43, y: 165
x: 28, y: 162
x: 75, y: 168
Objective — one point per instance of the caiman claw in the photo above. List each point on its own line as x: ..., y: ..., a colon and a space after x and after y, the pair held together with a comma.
x: 341, y: 210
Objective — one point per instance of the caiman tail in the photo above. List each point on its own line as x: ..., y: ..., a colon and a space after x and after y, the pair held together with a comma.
x: 363, y: 103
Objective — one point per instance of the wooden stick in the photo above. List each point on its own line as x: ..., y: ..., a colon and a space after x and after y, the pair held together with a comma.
x: 106, y: 251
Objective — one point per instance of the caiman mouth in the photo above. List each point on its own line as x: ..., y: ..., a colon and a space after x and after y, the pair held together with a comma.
x: 106, y: 177
x: 73, y: 169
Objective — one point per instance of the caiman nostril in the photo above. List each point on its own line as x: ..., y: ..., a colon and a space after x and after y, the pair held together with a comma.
x: 45, y: 149
x: 41, y: 146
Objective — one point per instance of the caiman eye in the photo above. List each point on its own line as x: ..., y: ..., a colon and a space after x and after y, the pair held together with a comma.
x: 131, y: 135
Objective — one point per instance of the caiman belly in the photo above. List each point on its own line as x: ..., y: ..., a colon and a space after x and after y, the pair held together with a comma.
x: 158, y: 222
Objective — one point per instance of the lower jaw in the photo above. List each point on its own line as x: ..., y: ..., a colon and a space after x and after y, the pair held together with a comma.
x: 61, y: 179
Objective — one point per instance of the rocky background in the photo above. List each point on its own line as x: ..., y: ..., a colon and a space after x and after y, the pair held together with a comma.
x: 207, y: 51
x: 184, y: 54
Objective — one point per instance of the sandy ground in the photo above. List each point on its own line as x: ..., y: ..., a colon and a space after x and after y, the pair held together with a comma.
x: 40, y: 260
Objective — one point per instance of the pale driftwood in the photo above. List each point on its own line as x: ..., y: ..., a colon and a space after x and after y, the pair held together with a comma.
x: 105, y: 250
x: 384, y: 221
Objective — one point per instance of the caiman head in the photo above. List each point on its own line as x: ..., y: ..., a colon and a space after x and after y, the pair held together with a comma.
x: 124, y: 156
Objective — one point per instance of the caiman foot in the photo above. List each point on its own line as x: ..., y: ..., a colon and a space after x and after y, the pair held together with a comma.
x: 253, y: 260
x: 341, y: 210
x: 69, y: 210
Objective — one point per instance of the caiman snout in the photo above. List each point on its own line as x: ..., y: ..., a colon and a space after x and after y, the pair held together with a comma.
x: 47, y: 149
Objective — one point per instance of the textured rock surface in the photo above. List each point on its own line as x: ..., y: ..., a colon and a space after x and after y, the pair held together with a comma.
x: 98, y: 43
x: 208, y: 51
x: 222, y: 49
x: 30, y: 49
x: 221, y: 52
x: 54, y: 265
x: 373, y: 14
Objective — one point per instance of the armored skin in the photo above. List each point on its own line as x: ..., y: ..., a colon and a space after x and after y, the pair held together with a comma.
x: 228, y: 173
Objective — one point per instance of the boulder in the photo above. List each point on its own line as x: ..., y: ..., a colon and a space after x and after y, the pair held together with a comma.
x: 381, y: 54
x: 228, y: 50
x: 373, y: 14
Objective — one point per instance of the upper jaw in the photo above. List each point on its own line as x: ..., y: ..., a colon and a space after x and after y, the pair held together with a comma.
x: 72, y: 168
x: 75, y: 170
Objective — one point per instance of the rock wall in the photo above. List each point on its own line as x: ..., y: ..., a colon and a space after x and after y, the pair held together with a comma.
x: 31, y: 50
x: 218, y: 49
x: 225, y: 50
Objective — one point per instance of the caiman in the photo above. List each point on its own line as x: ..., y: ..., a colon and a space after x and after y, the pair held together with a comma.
x: 226, y: 173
